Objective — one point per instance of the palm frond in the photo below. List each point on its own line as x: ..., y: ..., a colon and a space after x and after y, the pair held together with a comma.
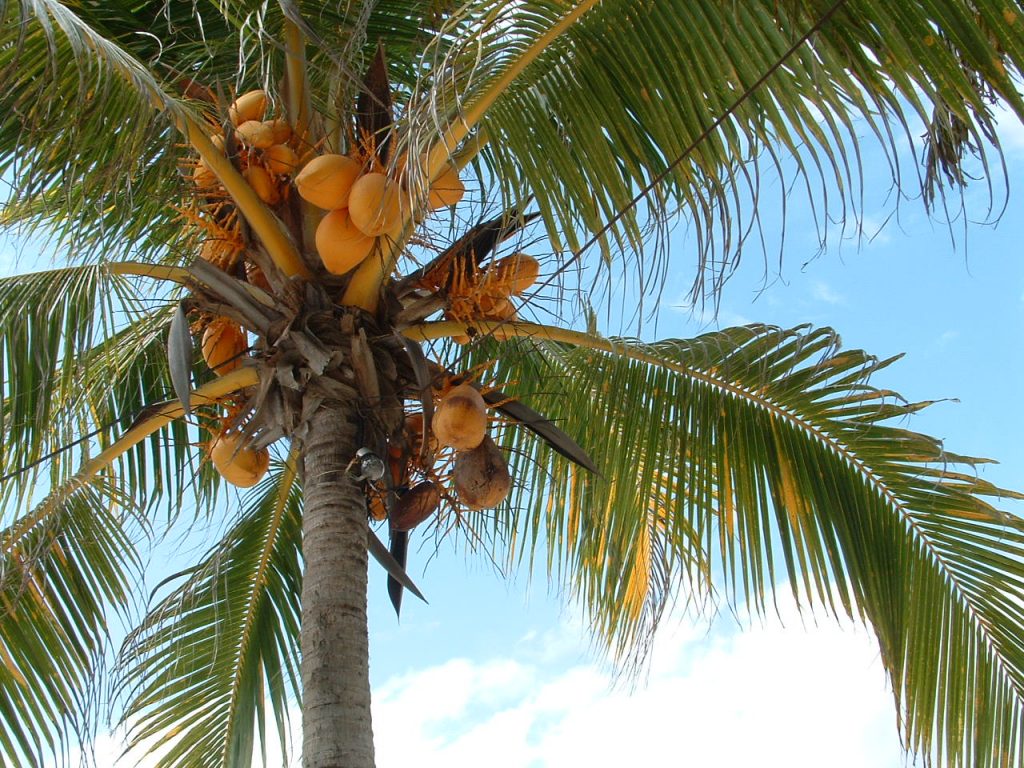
x: 631, y: 87
x: 86, y: 133
x: 63, y: 568
x: 755, y: 454
x: 80, y: 358
x: 199, y: 666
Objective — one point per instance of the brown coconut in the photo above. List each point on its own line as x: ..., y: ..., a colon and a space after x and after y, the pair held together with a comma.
x: 447, y: 189
x: 236, y: 463
x: 340, y: 244
x: 415, y: 505
x: 481, y: 476
x: 224, y: 345
x: 254, y: 133
x: 327, y: 180
x: 248, y: 106
x: 460, y: 420
x: 375, y: 204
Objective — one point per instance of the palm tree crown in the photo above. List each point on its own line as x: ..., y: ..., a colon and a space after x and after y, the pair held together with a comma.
x: 262, y: 210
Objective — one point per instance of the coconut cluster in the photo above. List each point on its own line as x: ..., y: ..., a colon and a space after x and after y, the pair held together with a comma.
x: 267, y: 155
x: 363, y: 204
x: 460, y: 460
x: 487, y: 292
x: 265, y: 151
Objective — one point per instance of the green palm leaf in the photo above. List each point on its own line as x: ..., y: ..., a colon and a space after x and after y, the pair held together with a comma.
x: 755, y: 454
x: 62, y: 568
x: 200, y: 664
x: 81, y: 355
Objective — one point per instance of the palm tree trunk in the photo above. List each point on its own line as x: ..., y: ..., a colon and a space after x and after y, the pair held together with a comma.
x: 336, y: 727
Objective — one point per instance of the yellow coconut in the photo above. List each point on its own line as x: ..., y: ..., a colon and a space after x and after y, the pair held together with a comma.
x: 218, y: 141
x: 460, y: 420
x: 512, y: 274
x: 446, y: 190
x: 237, y: 464
x: 248, y: 106
x: 481, y: 476
x: 263, y: 184
x: 280, y: 128
x: 340, y: 244
x: 224, y: 345
x: 375, y: 204
x: 253, y: 133
x: 326, y: 181
x: 281, y: 159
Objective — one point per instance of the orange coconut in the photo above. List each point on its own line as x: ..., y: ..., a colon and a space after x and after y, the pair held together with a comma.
x: 481, y: 476
x: 460, y: 420
x: 512, y: 274
x: 224, y: 345
x: 203, y: 177
x: 280, y: 128
x: 326, y: 181
x: 446, y: 190
x: 236, y: 463
x: 253, y: 133
x: 281, y: 159
x: 414, y: 435
x: 375, y: 204
x: 248, y: 106
x: 263, y: 184
x: 340, y: 244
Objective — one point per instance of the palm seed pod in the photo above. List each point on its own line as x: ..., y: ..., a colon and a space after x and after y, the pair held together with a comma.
x: 375, y: 204
x: 460, y: 420
x: 326, y: 181
x: 416, y: 505
x: 236, y: 463
x: 248, y: 106
x: 340, y: 244
x: 481, y: 476
x: 224, y: 345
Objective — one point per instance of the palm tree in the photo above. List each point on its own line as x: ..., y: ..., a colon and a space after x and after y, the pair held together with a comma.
x: 638, y: 470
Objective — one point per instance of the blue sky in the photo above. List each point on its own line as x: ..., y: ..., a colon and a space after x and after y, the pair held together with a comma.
x: 499, y: 671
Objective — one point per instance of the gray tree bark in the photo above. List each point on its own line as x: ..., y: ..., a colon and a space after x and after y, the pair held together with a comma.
x: 336, y: 726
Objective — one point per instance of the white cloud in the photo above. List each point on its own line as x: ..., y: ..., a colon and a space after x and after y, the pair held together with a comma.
x: 1009, y: 129
x: 796, y: 694
x: 822, y: 291
x: 770, y: 695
